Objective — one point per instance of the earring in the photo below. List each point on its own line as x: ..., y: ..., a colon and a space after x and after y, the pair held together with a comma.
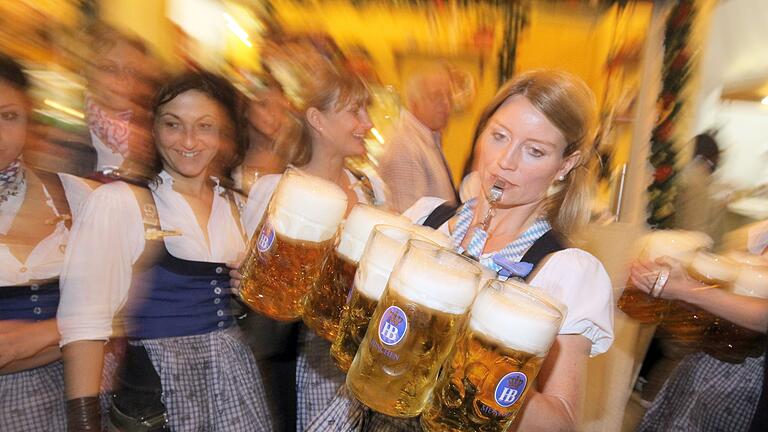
x: 561, y: 178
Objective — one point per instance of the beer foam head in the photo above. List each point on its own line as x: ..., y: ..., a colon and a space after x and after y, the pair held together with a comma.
x: 358, y: 227
x: 307, y: 208
x: 714, y: 267
x: 435, y: 236
x: 515, y: 318
x: 680, y: 245
x: 382, y: 252
x: 752, y: 281
x: 436, y: 278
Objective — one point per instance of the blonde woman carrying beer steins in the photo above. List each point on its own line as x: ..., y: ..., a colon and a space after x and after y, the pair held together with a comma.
x: 534, y: 142
x: 330, y: 123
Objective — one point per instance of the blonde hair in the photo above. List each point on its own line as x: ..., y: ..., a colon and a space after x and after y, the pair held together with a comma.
x: 568, y: 103
x: 315, y: 82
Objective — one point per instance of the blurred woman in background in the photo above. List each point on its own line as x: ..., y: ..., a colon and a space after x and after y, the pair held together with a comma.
x: 36, y: 211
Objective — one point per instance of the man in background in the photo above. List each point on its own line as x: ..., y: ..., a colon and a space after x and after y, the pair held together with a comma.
x: 413, y: 164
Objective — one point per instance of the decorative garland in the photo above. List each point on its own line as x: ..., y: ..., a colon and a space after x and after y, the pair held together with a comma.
x: 675, y: 75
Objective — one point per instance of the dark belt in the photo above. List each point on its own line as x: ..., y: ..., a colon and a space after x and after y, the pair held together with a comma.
x: 137, y: 404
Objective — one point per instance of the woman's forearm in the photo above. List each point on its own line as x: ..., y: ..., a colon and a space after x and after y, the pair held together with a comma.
x: 83, y: 364
x: 42, y: 358
x: 747, y: 312
x: 546, y: 413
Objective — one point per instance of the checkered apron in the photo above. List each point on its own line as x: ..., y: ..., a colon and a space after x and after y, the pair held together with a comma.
x: 210, y: 382
x: 347, y: 414
x: 33, y: 400
x: 706, y: 395
x: 317, y: 378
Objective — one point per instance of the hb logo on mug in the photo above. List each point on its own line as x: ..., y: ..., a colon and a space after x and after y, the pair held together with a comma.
x: 392, y: 326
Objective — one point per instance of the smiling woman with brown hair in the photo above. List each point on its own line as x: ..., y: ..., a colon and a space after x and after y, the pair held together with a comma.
x: 152, y: 261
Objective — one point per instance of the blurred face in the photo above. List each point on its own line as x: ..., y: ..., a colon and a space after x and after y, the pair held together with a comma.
x: 13, y: 123
x: 268, y: 112
x: 114, y: 78
x: 189, y: 131
x: 433, y: 105
x: 524, y: 150
x: 345, y: 129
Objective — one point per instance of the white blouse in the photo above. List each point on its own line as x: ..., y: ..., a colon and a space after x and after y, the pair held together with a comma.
x: 107, y: 240
x: 573, y: 276
x: 264, y: 187
x: 46, y: 259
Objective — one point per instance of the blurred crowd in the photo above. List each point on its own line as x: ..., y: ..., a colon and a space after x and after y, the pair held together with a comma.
x: 170, y: 176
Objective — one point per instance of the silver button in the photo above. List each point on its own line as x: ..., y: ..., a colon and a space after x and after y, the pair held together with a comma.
x: 34, y: 287
x: 219, y: 270
x: 217, y: 290
x: 214, y: 282
x: 37, y: 311
x: 216, y: 300
x: 220, y: 324
x: 33, y: 297
x: 220, y: 312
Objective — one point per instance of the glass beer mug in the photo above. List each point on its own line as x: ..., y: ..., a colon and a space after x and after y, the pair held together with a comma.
x: 324, y: 302
x: 485, y: 381
x: 295, y: 238
x: 680, y: 245
x: 384, y: 248
x: 686, y: 324
x: 413, y: 329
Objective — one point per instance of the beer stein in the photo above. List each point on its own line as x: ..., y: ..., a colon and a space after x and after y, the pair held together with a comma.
x: 680, y: 245
x: 324, y: 302
x: 685, y: 323
x: 485, y: 381
x: 292, y: 244
x: 413, y: 329
x: 384, y: 248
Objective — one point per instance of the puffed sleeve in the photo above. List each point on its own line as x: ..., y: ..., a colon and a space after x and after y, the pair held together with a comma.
x: 106, y: 239
x: 77, y: 191
x: 422, y: 208
x: 258, y: 199
x: 580, y: 281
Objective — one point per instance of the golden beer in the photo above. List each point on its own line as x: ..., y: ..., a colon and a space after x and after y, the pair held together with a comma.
x: 485, y: 382
x: 680, y: 245
x: 384, y: 248
x: 288, y: 253
x: 686, y: 324
x: 729, y: 342
x: 416, y: 323
x: 324, y: 302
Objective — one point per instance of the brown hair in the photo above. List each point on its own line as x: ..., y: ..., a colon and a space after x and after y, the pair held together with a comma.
x: 567, y: 102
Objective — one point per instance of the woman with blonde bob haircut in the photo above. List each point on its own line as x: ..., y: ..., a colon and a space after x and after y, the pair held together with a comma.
x: 533, y: 141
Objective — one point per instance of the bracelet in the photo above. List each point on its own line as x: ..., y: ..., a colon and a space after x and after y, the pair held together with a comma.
x: 661, y: 282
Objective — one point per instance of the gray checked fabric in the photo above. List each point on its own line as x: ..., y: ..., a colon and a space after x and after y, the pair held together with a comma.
x: 706, y: 395
x: 346, y: 414
x: 317, y: 378
x: 210, y: 382
x: 33, y: 400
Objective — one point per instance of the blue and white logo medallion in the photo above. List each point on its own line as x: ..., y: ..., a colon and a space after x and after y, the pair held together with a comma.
x: 392, y: 326
x: 266, y: 237
x: 510, y: 388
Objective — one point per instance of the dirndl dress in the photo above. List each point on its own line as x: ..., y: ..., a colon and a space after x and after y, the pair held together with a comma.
x: 706, y: 395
